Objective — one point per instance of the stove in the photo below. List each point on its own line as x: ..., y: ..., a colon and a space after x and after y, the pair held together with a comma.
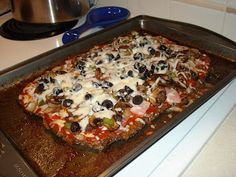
x: 16, y: 30
x: 176, y: 149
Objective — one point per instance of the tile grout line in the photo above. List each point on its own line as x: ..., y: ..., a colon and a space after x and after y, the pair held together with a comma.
x: 206, y: 4
x: 223, y: 24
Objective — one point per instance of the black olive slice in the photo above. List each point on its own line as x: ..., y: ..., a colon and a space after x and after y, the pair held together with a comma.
x: 67, y: 102
x: 77, y: 87
x: 130, y: 73
x: 75, y: 127
x: 137, y: 100
x: 117, y: 57
x: 142, y: 69
x: 151, y: 50
x: 56, y: 91
x: 110, y: 56
x: 88, y: 96
x: 128, y: 90
x: 162, y: 47
x: 107, y: 103
x: 44, y: 80
x: 106, y: 84
x: 40, y: 88
x: 138, y: 56
x: 96, y: 84
x: 80, y: 65
x: 97, y: 121
x: 99, y: 62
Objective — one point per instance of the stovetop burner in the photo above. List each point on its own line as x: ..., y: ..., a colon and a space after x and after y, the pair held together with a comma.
x: 16, y: 30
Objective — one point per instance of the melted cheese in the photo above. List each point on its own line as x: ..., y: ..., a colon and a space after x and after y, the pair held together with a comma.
x: 129, y: 81
x: 115, y: 71
x: 104, y: 114
x: 83, y: 124
x: 64, y: 80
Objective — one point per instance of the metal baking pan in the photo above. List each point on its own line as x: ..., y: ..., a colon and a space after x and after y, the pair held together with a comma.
x: 47, y: 155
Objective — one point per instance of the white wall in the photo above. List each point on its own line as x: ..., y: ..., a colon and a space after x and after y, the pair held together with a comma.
x: 216, y: 15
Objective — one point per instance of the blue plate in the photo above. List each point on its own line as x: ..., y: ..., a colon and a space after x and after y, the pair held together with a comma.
x: 101, y: 17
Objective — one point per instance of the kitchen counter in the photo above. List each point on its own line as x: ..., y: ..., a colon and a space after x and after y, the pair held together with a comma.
x: 218, y: 156
x: 196, y: 147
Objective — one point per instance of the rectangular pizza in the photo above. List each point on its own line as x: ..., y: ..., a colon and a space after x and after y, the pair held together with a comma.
x: 113, y: 90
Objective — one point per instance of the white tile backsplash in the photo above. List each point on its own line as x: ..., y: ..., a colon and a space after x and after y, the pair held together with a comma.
x: 205, y: 17
x: 219, y: 1
x: 230, y: 26
x: 231, y: 3
x: 120, y: 3
x: 210, y: 14
x: 157, y: 8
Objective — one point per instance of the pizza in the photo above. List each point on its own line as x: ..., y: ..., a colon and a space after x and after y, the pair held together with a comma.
x: 113, y: 90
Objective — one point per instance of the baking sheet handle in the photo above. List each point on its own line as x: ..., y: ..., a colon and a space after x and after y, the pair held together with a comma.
x: 11, y: 163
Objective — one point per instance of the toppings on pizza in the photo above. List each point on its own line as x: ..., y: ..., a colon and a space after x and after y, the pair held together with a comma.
x: 113, y: 90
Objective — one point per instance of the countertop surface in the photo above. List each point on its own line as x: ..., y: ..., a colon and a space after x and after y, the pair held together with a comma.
x: 216, y: 158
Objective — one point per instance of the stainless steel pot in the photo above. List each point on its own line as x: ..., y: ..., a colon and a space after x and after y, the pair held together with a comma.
x: 48, y: 11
